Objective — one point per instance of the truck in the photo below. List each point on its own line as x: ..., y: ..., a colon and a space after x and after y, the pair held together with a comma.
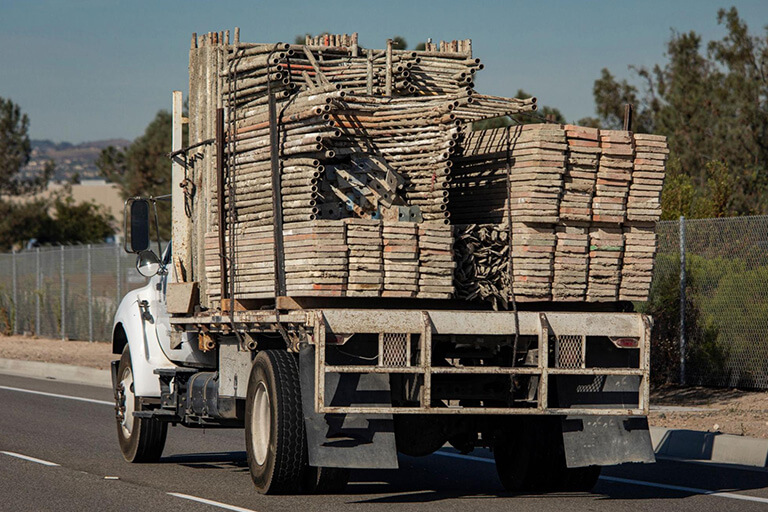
x: 251, y: 325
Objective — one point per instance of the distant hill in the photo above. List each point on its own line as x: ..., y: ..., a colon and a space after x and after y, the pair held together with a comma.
x: 70, y: 159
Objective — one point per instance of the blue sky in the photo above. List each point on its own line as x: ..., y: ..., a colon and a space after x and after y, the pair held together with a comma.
x: 95, y: 69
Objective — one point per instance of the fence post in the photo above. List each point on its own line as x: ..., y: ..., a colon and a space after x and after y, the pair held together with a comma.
x: 682, y: 300
x: 38, y: 291
x: 90, y: 296
x: 63, y: 294
x: 15, y: 295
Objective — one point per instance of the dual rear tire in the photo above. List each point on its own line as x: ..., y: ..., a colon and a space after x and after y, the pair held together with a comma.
x: 530, y: 457
x: 275, y: 435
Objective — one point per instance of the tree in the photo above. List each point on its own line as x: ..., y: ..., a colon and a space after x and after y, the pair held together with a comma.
x: 711, y: 101
x: 85, y: 222
x: 57, y: 220
x: 420, y: 47
x: 15, y: 150
x: 143, y: 168
x: 301, y: 39
x: 611, y: 97
x: 399, y: 43
x: 544, y: 113
x: 15, y: 147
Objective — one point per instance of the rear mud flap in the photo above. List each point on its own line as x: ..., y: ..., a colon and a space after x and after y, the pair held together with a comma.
x: 606, y: 440
x: 365, y: 441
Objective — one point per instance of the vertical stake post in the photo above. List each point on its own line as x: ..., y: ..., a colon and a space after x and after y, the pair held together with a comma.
x: 682, y: 300
x: 182, y: 227
x: 369, y: 73
x: 62, y: 284
x: 388, y: 83
x: 15, y: 295
x: 277, y: 208
x: 90, y: 296
x: 628, y: 111
x: 221, y: 206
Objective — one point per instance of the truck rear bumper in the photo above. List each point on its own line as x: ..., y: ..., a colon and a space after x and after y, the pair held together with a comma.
x: 562, y: 353
x: 406, y: 339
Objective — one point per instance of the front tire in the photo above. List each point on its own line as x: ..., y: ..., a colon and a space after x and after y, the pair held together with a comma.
x: 141, y: 439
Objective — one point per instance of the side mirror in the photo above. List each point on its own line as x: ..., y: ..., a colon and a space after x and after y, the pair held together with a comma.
x: 139, y: 232
x: 148, y: 263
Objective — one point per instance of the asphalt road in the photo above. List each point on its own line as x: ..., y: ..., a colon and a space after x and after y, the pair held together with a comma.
x: 58, y: 452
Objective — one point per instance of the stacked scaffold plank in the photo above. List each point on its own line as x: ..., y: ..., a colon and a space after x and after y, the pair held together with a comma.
x: 366, y: 259
x: 571, y: 272
x: 316, y: 258
x: 436, y: 263
x: 582, y: 229
x: 401, y: 259
x: 613, y: 177
x: 643, y: 203
x: 386, y: 190
x: 580, y: 176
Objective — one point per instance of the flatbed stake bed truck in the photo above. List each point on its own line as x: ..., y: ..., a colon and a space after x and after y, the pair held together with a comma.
x: 324, y: 384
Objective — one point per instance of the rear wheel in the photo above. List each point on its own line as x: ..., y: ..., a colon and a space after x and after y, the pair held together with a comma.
x: 275, y: 434
x: 531, y: 457
x: 141, y: 439
x: 582, y: 479
x: 324, y: 480
x: 512, y: 455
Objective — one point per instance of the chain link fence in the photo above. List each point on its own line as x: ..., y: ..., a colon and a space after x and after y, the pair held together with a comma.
x: 68, y: 292
x: 721, y: 286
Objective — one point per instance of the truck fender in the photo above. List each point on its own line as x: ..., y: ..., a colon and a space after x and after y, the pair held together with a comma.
x: 146, y: 353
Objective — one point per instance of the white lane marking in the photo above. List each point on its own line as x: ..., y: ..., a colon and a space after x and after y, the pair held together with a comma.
x: 54, y: 395
x: 467, y: 457
x: 210, y: 502
x: 31, y: 459
x: 692, y: 490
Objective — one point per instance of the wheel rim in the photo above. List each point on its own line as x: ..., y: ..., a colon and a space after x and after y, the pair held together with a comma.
x: 128, y: 402
x: 261, y: 422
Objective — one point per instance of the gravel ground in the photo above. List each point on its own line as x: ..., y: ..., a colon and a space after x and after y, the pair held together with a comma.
x: 78, y: 353
x: 729, y: 411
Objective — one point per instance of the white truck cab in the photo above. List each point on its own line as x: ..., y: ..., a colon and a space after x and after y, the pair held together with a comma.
x: 143, y: 324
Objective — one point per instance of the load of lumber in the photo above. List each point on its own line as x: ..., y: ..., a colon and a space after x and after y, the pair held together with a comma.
x: 386, y: 189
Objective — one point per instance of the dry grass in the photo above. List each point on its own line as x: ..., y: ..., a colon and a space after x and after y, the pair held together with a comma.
x: 78, y: 353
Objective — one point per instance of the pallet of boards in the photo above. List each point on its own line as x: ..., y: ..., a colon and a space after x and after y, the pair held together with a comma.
x: 556, y: 173
x: 596, y: 195
x: 339, y: 258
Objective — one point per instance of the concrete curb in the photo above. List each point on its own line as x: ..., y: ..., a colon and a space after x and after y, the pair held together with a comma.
x: 54, y: 371
x: 694, y: 445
